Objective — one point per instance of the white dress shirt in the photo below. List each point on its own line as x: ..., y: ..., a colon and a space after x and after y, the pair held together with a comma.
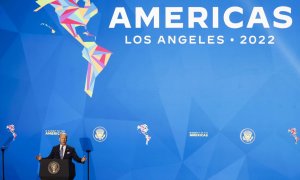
x: 64, y: 149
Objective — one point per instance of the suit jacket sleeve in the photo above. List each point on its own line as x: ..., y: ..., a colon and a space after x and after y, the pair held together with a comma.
x: 75, y: 156
x: 52, y: 154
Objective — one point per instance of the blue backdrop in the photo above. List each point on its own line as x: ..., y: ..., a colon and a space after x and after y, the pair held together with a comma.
x: 174, y: 89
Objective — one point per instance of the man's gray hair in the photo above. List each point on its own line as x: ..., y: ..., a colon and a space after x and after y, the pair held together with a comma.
x: 63, y: 133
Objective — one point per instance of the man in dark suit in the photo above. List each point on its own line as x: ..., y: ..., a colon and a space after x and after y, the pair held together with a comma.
x: 63, y: 151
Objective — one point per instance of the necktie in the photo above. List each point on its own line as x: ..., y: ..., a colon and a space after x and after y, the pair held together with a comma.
x: 61, y: 152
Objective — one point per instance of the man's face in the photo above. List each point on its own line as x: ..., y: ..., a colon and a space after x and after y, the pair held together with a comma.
x: 63, y: 139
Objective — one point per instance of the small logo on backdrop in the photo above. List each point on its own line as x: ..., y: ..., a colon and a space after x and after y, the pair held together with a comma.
x: 11, y: 128
x: 293, y: 132
x: 52, y: 132
x: 53, y: 167
x: 143, y: 129
x: 100, y: 134
x: 247, y: 136
x: 199, y: 134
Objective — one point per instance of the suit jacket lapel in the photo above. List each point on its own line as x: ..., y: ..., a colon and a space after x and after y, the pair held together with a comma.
x: 67, y: 150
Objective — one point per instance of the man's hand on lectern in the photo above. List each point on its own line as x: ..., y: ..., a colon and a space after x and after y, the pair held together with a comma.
x: 38, y: 157
x: 83, y: 159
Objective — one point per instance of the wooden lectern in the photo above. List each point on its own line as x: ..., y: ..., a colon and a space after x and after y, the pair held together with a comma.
x: 57, y: 169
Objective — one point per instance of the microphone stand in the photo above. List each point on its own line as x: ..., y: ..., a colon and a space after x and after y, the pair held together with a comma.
x: 3, y: 150
x: 88, y: 152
